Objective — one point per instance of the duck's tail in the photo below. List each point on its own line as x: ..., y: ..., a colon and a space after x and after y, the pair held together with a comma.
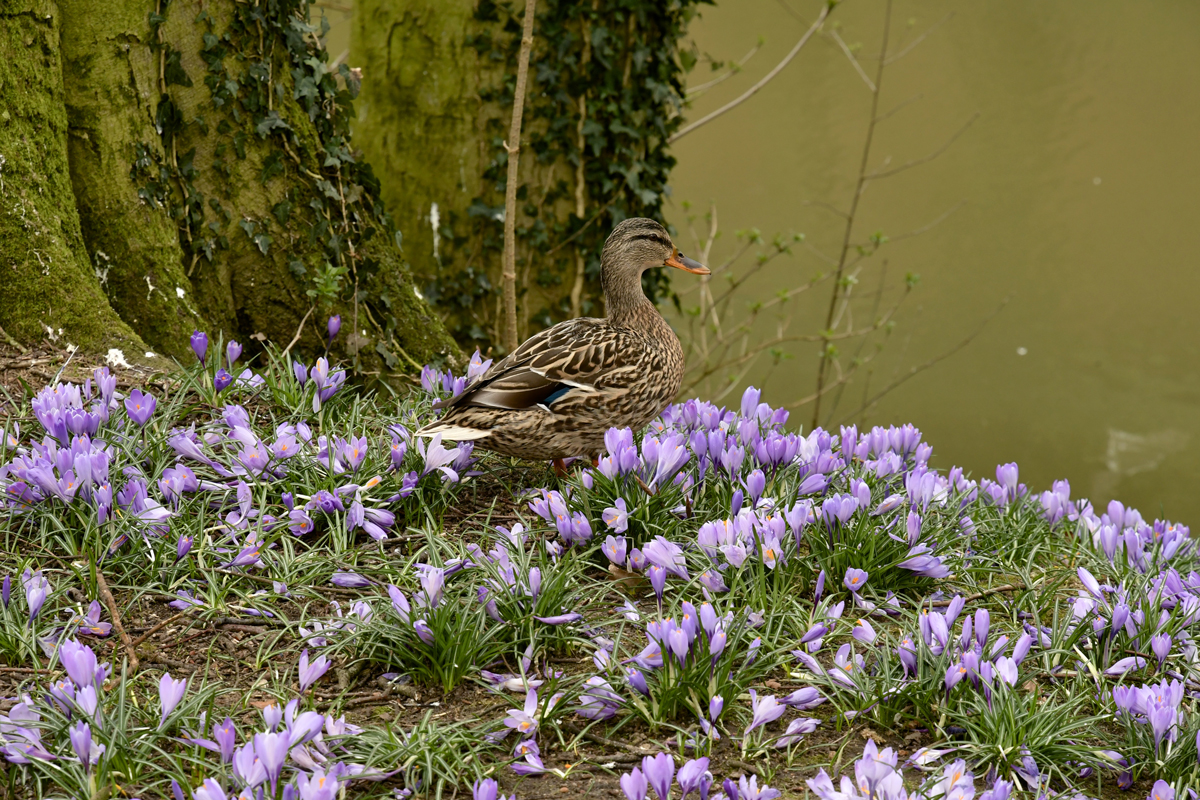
x: 451, y: 432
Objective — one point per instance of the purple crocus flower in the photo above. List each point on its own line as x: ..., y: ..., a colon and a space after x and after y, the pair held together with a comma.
x: 90, y: 624
x: 855, y: 579
x: 6, y: 590
x: 272, y: 751
x: 863, y: 632
x: 222, y: 380
x: 634, y: 785
x: 796, y: 730
x: 804, y: 699
x: 170, y: 692
x: 300, y: 372
x: 311, y: 673
x: 36, y: 590
x: 485, y: 789
x: 1161, y: 791
x: 300, y: 522
x: 615, y: 549
x: 659, y: 771
x: 1127, y: 664
x: 1160, y: 645
x: 199, y: 345
x: 183, y: 547
x: 350, y: 580
x: 524, y: 721
x: 225, y: 737
x: 766, y: 710
x: 617, y: 519
x: 820, y: 589
x: 81, y: 742
x: 79, y: 661
x: 691, y: 776
x: 424, y: 632
x: 233, y: 351
x: 658, y: 579
x: 333, y: 326
x: 667, y: 555
x: 140, y: 406
x: 561, y: 619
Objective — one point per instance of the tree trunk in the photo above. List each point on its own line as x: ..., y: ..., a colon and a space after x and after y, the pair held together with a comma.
x: 210, y: 155
x: 50, y: 289
x: 421, y: 123
x: 134, y: 243
x: 605, y: 92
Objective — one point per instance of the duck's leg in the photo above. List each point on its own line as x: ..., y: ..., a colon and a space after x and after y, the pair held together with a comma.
x: 560, y: 467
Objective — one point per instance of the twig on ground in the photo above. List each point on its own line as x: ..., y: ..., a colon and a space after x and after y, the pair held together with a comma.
x: 1008, y: 587
x: 158, y: 627
x: 107, y: 596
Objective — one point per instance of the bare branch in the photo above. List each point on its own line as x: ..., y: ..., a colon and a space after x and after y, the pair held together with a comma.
x: 919, y: 368
x: 931, y: 225
x: 686, y: 129
x: 905, y: 104
x: 919, y: 39
x: 828, y: 207
x: 734, y: 70
x: 513, y: 146
x: 926, y: 159
x: 854, y: 61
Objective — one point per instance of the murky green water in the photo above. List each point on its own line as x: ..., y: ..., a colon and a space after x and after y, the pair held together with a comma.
x: 1081, y: 182
x: 1082, y: 186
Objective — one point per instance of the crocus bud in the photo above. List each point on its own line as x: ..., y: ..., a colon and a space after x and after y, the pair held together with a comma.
x: 199, y: 345
x: 335, y: 325
x: 233, y: 351
x: 300, y: 372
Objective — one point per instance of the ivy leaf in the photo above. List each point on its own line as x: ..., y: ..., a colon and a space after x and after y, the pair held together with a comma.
x: 173, y: 70
x: 264, y: 242
x: 270, y: 122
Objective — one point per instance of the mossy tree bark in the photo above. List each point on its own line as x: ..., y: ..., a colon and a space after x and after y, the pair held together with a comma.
x: 49, y: 287
x: 111, y: 77
x: 605, y: 94
x: 211, y: 162
x: 421, y: 123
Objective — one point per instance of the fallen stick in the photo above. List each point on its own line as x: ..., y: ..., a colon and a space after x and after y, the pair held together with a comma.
x: 110, y: 601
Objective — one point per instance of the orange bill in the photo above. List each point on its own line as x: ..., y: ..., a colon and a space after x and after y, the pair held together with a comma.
x: 680, y: 261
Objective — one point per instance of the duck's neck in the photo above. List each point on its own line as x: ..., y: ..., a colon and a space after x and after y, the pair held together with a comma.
x: 624, y: 301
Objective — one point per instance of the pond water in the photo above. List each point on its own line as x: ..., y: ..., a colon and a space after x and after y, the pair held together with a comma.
x: 1080, y: 194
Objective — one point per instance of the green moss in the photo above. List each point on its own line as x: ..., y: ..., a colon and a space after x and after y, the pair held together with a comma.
x: 132, y: 241
x: 49, y: 287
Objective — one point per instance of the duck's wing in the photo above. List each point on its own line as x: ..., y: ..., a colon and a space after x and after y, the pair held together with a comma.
x: 570, y: 355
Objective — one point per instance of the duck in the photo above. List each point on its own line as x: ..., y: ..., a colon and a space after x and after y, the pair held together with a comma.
x: 560, y: 391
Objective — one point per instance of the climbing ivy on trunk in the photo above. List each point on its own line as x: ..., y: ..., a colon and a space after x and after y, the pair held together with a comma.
x: 606, y: 91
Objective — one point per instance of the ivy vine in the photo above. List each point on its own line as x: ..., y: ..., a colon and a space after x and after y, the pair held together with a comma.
x: 606, y: 92
x: 267, y: 52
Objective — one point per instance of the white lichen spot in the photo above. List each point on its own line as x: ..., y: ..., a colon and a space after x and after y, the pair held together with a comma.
x: 150, y: 354
x: 50, y: 332
x: 116, y: 358
x: 417, y: 292
x: 152, y: 287
x: 179, y: 292
x: 101, y: 267
x: 71, y: 348
x: 434, y: 222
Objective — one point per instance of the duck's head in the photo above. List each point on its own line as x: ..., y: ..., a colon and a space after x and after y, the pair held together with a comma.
x: 638, y: 244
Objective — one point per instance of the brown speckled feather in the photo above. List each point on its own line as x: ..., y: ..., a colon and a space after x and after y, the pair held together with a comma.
x: 557, y: 394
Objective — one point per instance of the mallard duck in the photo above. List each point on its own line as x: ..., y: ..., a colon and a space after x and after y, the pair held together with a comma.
x: 556, y: 395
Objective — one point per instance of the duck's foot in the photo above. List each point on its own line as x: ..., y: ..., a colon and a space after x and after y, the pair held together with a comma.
x: 560, y: 467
